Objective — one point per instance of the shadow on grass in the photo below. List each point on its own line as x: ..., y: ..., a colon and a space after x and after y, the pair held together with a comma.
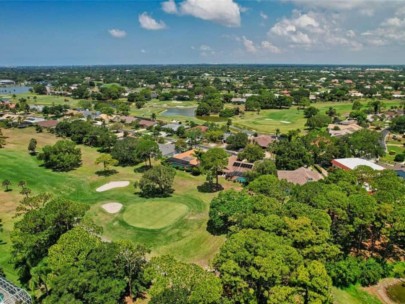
x: 106, y: 172
x: 142, y: 169
x: 8, y: 190
x: 209, y: 188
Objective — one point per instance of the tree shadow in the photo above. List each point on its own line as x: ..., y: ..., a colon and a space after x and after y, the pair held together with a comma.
x: 142, y: 169
x: 209, y: 188
x: 8, y: 190
x: 106, y: 172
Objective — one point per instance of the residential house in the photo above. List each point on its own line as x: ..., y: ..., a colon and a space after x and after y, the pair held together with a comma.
x: 264, y: 140
x: 353, y: 163
x: 299, y: 176
x: 184, y: 160
x: 238, y: 100
x: 167, y: 150
x: 337, y: 130
x: 48, y: 124
x: 236, y: 168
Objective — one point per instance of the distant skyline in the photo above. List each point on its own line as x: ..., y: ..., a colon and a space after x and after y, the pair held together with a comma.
x: 95, y: 32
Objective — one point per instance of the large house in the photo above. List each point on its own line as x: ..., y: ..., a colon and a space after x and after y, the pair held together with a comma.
x: 185, y: 160
x: 236, y: 168
x: 353, y: 163
x: 299, y: 176
x: 264, y: 140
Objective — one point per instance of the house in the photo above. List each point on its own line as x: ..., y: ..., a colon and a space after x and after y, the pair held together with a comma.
x: 264, y: 140
x: 167, y: 150
x: 172, y: 126
x: 127, y: 119
x: 236, y: 168
x: 184, y: 160
x: 337, y: 130
x: 299, y: 176
x: 353, y: 163
x: 238, y: 100
x: 48, y: 124
x: 203, y: 129
x: 33, y: 120
x: 144, y: 123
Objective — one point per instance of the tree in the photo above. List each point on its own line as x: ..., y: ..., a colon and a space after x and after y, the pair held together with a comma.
x: 145, y: 149
x: 22, y: 184
x: 365, y: 143
x: 157, y: 181
x: 39, y: 229
x: 291, y: 155
x: 376, y: 106
x: 125, y: 151
x: 310, y: 111
x: 63, y: 156
x: 252, y: 153
x: 180, y: 145
x: 133, y: 259
x: 356, y: 105
x: 2, y: 139
x: 26, y: 192
x: 106, y: 160
x: 32, y: 203
x: 270, y: 186
x: 177, y: 282
x: 398, y: 124
x: 32, y: 146
x: 214, y: 160
x: 318, y: 121
x: 261, y: 167
x: 203, y: 109
x: 6, y: 184
x: 237, y: 141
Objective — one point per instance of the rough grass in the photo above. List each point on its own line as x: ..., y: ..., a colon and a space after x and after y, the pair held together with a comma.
x: 186, y: 237
x: 353, y: 295
x: 155, y: 214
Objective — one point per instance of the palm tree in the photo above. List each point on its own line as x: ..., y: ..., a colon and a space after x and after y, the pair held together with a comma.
x: 153, y: 116
x: 26, y: 192
x: 6, y: 184
x: 22, y: 184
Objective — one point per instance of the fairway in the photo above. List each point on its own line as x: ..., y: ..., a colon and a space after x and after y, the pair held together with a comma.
x: 154, y: 214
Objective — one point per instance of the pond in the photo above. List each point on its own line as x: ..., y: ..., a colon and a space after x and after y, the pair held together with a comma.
x: 397, y: 292
x: 178, y: 111
x: 9, y: 90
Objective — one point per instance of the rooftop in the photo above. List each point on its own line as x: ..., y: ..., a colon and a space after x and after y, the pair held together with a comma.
x: 353, y: 163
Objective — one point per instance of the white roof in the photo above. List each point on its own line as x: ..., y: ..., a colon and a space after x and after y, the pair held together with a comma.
x: 352, y: 163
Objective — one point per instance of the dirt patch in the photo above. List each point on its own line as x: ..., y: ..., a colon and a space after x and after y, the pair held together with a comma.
x: 112, y: 185
x: 380, y: 291
x: 112, y: 207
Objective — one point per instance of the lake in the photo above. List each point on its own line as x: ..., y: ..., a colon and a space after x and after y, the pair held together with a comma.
x: 188, y: 112
x: 10, y: 90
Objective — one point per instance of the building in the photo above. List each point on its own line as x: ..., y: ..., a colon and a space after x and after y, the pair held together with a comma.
x: 144, y: 123
x: 353, y: 163
x: 264, y: 140
x: 48, y: 124
x: 167, y: 150
x: 238, y: 100
x: 299, y: 176
x: 337, y: 130
x: 33, y: 120
x: 184, y: 160
x: 172, y: 126
x: 236, y: 168
x: 11, y: 294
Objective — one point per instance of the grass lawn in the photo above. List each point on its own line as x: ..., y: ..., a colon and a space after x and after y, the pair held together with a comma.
x: 47, y: 100
x: 177, y: 223
x: 155, y: 214
x: 353, y: 295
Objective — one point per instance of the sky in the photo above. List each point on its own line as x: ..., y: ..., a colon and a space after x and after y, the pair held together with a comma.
x: 93, y: 32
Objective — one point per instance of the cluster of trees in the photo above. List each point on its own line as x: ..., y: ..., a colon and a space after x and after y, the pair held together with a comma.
x: 84, y: 132
x: 56, y: 110
x: 267, y: 100
x: 131, y: 151
x: 289, y: 243
x: 293, y: 151
x: 62, y: 156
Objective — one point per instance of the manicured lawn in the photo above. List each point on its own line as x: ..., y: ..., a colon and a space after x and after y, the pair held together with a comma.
x: 353, y: 295
x: 47, y: 100
x: 155, y: 214
x: 177, y: 223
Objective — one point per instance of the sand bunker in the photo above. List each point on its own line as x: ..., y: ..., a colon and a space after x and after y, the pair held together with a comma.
x: 286, y: 122
x: 112, y: 207
x: 112, y: 185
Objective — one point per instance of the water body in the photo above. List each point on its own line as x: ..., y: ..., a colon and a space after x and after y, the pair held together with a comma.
x: 10, y: 90
x: 397, y: 292
x: 188, y: 112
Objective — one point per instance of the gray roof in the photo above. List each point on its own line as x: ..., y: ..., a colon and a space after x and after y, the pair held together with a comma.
x: 167, y: 149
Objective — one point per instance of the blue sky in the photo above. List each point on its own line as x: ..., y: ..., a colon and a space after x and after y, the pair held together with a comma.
x: 202, y: 31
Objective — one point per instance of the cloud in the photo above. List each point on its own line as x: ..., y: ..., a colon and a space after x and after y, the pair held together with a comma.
x: 148, y: 23
x: 116, y: 33
x: 169, y: 7
x: 249, y: 45
x: 390, y: 31
x: 224, y: 12
x: 313, y: 30
x: 205, y: 50
x: 268, y: 46
x: 264, y: 16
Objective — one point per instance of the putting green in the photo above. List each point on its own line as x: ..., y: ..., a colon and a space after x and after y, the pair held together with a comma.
x: 154, y: 215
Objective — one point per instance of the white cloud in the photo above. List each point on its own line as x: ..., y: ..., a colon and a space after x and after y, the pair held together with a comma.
x: 268, y: 46
x: 264, y: 16
x: 205, y: 50
x: 224, y: 12
x: 249, y: 45
x: 116, y: 33
x: 148, y: 23
x: 390, y: 31
x: 313, y: 30
x: 169, y: 7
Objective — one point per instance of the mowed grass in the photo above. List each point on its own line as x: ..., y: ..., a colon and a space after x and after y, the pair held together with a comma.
x: 353, y: 295
x: 176, y: 231
x: 47, y: 100
x: 155, y: 214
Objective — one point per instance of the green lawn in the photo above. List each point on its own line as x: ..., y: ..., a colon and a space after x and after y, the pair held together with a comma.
x: 177, y: 223
x: 47, y: 100
x: 353, y: 295
x: 156, y: 214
